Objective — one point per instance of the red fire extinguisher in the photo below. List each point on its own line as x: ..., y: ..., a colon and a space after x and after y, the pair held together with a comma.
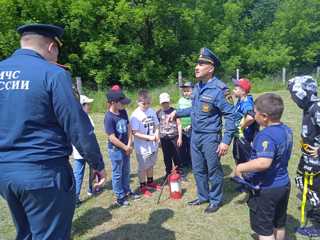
x: 175, y: 185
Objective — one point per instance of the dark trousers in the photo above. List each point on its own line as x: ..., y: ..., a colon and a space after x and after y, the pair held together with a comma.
x: 41, y: 199
x: 185, y: 151
x: 170, y: 152
x: 241, y: 150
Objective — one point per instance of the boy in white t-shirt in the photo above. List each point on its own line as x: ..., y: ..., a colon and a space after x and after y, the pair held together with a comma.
x: 145, y: 129
x: 79, y: 162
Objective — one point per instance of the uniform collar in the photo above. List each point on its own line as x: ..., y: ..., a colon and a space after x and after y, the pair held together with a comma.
x: 24, y: 51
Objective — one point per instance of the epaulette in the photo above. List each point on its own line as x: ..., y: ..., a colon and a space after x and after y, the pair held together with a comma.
x: 220, y: 84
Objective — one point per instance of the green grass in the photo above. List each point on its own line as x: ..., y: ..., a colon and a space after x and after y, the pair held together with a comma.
x: 144, y: 219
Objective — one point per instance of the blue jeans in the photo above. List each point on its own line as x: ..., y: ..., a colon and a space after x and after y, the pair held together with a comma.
x: 78, y: 171
x: 120, y: 172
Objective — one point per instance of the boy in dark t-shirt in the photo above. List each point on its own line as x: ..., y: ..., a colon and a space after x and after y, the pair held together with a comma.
x: 116, y: 124
x: 267, y: 169
x: 170, y: 135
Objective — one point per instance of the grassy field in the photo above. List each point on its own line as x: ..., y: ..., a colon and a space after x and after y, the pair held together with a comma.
x: 97, y: 219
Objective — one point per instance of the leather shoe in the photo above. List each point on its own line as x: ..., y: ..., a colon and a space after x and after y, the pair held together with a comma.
x: 211, y: 208
x: 195, y: 202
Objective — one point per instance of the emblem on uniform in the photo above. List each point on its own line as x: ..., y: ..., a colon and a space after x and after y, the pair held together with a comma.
x: 205, y: 107
x: 265, y: 145
x: 228, y: 97
x: 201, y: 52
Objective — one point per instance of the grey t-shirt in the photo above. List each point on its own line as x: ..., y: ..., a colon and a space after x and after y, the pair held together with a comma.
x: 144, y: 122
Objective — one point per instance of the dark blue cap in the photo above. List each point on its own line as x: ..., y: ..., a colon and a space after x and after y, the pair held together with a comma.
x: 117, y: 96
x: 47, y: 30
x: 186, y: 85
x: 208, y: 56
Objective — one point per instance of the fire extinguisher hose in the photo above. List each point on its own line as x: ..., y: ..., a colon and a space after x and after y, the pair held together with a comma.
x: 162, y: 187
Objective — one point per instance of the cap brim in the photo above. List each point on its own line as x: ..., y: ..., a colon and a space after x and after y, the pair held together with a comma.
x: 125, y: 101
x: 205, y: 60
x: 235, y: 82
x: 185, y: 86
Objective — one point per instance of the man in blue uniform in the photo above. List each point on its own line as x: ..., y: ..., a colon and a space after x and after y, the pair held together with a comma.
x: 39, y: 118
x: 210, y: 101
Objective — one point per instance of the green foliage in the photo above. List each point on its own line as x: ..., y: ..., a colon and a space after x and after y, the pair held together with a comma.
x: 144, y: 43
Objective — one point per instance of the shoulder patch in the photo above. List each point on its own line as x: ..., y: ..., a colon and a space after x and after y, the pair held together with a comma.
x: 220, y: 84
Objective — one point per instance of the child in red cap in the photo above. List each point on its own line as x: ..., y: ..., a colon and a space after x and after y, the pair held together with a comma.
x: 247, y: 127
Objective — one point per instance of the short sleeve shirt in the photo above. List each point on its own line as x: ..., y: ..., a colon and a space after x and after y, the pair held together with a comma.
x: 273, y: 142
x: 117, y: 124
x: 145, y: 122
x: 184, y: 103
x: 243, y: 107
x: 167, y: 129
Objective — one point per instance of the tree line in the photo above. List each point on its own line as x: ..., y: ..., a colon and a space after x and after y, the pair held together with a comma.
x: 146, y: 42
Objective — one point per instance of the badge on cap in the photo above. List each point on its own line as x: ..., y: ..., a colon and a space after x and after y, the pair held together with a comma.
x: 207, y: 56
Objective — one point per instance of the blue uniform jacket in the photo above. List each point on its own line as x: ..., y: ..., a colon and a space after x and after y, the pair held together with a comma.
x: 39, y: 115
x: 209, y: 104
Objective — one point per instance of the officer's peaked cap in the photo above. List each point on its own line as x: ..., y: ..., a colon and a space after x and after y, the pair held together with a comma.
x: 47, y: 30
x: 207, y: 55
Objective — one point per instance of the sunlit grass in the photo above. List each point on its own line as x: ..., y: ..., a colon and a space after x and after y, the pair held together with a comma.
x: 144, y: 219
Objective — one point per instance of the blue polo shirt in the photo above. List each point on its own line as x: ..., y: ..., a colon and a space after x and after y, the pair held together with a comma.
x: 273, y: 142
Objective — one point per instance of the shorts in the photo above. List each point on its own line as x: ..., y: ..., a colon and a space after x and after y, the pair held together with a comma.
x: 241, y: 150
x: 146, y: 161
x: 268, y: 209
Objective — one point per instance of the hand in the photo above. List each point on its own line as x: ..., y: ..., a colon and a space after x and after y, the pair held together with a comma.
x: 179, y: 142
x: 222, y: 149
x: 101, y: 179
x: 313, y: 151
x: 171, y: 117
x: 157, y: 138
x: 128, y: 150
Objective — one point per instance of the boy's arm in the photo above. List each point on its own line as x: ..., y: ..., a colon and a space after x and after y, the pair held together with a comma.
x: 129, y: 135
x: 143, y: 136
x: 265, y: 149
x: 135, y: 123
x: 179, y: 142
x: 248, y: 120
x: 256, y: 165
x: 115, y: 141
